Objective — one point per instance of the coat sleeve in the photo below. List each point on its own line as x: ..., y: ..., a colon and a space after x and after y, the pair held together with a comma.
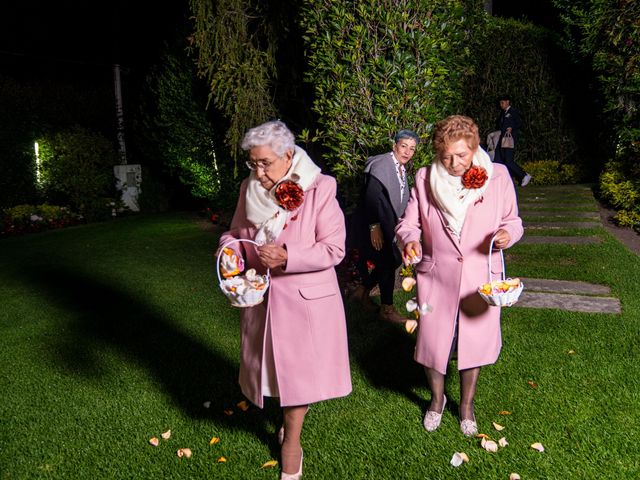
x: 511, y: 221
x: 409, y: 228
x: 328, y: 250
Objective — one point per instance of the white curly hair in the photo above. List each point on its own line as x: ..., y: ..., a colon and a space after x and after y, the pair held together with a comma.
x: 274, y: 133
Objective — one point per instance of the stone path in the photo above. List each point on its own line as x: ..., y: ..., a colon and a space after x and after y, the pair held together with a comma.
x: 556, y: 209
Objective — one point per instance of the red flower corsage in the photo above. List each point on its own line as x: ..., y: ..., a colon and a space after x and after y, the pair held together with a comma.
x: 289, y: 195
x: 475, y: 177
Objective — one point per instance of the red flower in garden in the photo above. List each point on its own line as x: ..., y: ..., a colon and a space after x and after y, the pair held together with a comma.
x: 475, y: 177
x: 289, y: 195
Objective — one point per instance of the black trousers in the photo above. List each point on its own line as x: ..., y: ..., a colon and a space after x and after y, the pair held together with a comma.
x: 385, y: 263
x: 506, y: 157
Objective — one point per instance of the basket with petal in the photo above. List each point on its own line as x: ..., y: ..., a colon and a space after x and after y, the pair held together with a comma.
x: 500, y: 293
x: 245, y: 290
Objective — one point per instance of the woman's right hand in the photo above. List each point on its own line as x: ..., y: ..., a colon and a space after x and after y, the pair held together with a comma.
x: 377, y: 239
x: 412, y: 253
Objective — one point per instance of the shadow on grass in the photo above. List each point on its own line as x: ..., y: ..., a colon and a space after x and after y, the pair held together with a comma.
x: 384, y: 353
x: 105, y: 317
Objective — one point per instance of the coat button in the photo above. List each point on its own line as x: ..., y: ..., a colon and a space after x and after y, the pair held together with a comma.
x: 460, y: 259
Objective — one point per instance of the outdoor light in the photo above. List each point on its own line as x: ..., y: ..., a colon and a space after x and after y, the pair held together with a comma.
x: 38, y: 164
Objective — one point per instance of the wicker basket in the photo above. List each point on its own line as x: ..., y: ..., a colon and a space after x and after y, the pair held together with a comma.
x: 501, y: 299
x: 245, y: 290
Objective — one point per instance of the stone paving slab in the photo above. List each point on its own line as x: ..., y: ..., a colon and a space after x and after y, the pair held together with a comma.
x: 534, y: 225
x: 572, y: 303
x: 564, y: 286
x: 558, y: 240
x: 557, y: 206
x: 563, y: 214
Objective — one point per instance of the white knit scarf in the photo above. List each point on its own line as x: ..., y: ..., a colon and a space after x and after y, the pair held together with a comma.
x: 262, y: 207
x: 452, y: 198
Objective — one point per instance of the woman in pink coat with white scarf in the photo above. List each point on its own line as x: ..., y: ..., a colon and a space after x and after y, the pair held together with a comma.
x: 294, y: 343
x: 457, y: 206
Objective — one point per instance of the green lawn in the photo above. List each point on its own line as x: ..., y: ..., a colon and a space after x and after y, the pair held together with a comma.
x: 113, y: 333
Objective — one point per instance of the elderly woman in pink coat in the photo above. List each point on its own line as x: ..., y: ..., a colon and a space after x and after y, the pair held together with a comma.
x: 457, y: 206
x: 294, y: 343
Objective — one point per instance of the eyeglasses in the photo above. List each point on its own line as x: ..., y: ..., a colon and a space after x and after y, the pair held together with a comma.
x: 263, y: 164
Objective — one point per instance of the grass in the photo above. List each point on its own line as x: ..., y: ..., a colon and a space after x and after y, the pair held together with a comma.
x: 113, y: 333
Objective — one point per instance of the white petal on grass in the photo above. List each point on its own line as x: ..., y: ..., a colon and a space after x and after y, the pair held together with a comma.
x: 503, y: 442
x: 410, y: 326
x: 489, y: 445
x: 408, y: 283
x: 497, y: 426
x: 411, y: 305
x: 537, y: 446
x: 514, y: 476
x: 459, y: 458
x: 166, y: 435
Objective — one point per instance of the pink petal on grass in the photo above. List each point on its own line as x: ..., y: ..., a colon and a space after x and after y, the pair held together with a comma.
x: 497, y: 426
x: 166, y: 435
x: 154, y: 441
x: 270, y: 464
x: 537, y: 446
x: 184, y: 452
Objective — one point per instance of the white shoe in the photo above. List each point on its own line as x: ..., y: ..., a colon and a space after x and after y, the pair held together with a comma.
x: 526, y: 180
x: 293, y: 476
x: 432, y: 419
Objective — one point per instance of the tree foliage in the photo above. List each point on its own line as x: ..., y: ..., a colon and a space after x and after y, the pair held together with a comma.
x: 236, y: 54
x: 605, y: 34
x: 516, y: 58
x: 380, y: 66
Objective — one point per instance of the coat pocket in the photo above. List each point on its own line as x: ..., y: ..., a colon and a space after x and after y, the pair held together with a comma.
x: 425, y: 266
x: 315, y: 292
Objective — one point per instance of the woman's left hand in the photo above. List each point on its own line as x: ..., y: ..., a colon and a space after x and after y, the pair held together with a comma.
x: 501, y: 239
x: 272, y: 256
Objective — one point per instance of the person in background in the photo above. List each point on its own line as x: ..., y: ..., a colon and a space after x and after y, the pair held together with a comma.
x: 458, y: 204
x: 294, y: 343
x: 509, y: 122
x: 385, y: 196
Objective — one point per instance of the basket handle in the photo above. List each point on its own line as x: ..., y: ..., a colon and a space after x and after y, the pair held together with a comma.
x: 235, y: 240
x: 504, y: 268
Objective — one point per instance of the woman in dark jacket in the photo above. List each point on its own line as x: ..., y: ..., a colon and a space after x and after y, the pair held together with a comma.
x: 385, y: 196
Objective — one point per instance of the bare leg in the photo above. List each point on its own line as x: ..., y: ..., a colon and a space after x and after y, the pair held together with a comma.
x: 291, y: 451
x: 468, y: 383
x: 436, y: 385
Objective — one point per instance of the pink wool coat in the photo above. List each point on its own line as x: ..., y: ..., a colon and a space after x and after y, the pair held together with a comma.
x: 304, y: 307
x: 451, y: 271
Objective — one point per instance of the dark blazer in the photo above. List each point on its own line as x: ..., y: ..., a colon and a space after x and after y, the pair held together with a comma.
x: 380, y: 203
x: 510, y: 118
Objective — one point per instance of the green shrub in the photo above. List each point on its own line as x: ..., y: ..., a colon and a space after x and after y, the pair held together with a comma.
x: 551, y: 172
x: 26, y: 218
x: 617, y: 190
x: 376, y: 68
x: 527, y: 73
x: 77, y: 167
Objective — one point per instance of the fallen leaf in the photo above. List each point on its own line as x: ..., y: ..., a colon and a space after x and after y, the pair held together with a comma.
x: 228, y: 412
x: 532, y: 384
x: 408, y: 283
x: 184, y: 452
x: 166, y: 435
x: 504, y: 412
x: 537, y: 446
x: 497, y: 426
x: 489, y: 445
x: 221, y: 460
x: 270, y: 464
x: 458, y: 458
x: 206, y: 404
x: 243, y: 405
x: 214, y: 440
x: 482, y: 435
x: 410, y: 326
x: 514, y: 476
x: 154, y: 441
x: 503, y: 442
